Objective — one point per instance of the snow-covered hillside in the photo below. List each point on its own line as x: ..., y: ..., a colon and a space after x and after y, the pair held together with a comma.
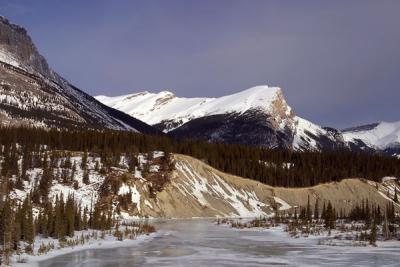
x: 384, y: 136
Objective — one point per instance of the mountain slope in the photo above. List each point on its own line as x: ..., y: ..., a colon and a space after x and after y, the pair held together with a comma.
x: 383, y: 136
x: 198, y: 190
x: 32, y: 94
x: 256, y: 116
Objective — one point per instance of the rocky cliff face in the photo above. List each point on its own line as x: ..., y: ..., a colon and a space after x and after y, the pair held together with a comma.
x: 17, y: 47
x: 31, y: 94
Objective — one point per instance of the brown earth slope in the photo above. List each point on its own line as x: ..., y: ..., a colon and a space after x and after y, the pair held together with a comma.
x: 198, y: 190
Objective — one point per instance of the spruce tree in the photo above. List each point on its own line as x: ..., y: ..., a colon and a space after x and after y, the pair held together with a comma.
x: 308, y: 210
x: 329, y: 217
x: 85, y: 178
x: 316, y: 210
x: 372, y: 235
x: 29, y: 229
x: 70, y: 216
x: 59, y: 223
x: 84, y: 160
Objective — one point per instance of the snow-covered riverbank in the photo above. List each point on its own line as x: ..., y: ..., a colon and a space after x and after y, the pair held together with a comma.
x: 201, y: 242
x: 108, y: 242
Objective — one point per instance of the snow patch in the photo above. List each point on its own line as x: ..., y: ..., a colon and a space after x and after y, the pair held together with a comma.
x: 284, y: 205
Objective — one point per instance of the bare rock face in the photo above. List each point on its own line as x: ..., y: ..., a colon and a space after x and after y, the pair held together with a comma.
x: 15, y: 41
x: 281, y: 112
x: 31, y: 94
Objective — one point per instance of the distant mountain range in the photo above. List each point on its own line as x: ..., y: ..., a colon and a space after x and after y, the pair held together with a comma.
x: 382, y: 136
x: 32, y: 94
x: 257, y: 116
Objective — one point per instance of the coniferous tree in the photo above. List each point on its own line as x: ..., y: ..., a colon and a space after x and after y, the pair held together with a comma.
x: 329, y: 216
x: 309, y: 211
x: 323, y: 213
x: 84, y: 160
x: 29, y: 229
x: 386, y: 232
x: 6, y: 215
x: 49, y: 213
x: 69, y: 216
x: 316, y: 209
x: 372, y: 236
x: 85, y: 219
x: 17, y: 225
x: 59, y: 229
x: 85, y: 178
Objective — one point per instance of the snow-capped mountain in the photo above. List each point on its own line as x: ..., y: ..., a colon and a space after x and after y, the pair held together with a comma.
x: 169, y: 112
x: 257, y: 116
x: 32, y: 94
x: 383, y: 136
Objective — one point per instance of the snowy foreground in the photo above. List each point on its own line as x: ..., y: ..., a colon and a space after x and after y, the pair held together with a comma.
x: 203, y: 243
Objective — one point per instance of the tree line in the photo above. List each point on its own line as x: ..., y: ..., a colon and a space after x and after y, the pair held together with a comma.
x: 276, y: 167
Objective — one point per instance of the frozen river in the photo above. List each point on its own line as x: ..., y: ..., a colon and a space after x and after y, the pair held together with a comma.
x: 201, y: 243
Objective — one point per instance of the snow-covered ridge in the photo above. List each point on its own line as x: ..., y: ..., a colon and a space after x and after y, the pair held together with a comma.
x: 382, y: 136
x: 261, y: 106
x: 154, y: 108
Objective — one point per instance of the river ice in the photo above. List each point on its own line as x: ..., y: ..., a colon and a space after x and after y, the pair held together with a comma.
x: 202, y: 243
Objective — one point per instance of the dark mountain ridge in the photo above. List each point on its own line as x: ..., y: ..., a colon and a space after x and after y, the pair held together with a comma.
x: 31, y: 94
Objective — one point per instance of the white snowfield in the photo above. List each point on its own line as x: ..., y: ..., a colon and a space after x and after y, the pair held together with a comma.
x: 384, y: 135
x: 154, y: 108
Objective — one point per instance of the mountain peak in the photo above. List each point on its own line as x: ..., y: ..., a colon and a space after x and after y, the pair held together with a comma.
x: 261, y: 96
x: 18, y: 50
x: 155, y: 108
x: 263, y: 88
x: 16, y: 27
x: 166, y: 93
